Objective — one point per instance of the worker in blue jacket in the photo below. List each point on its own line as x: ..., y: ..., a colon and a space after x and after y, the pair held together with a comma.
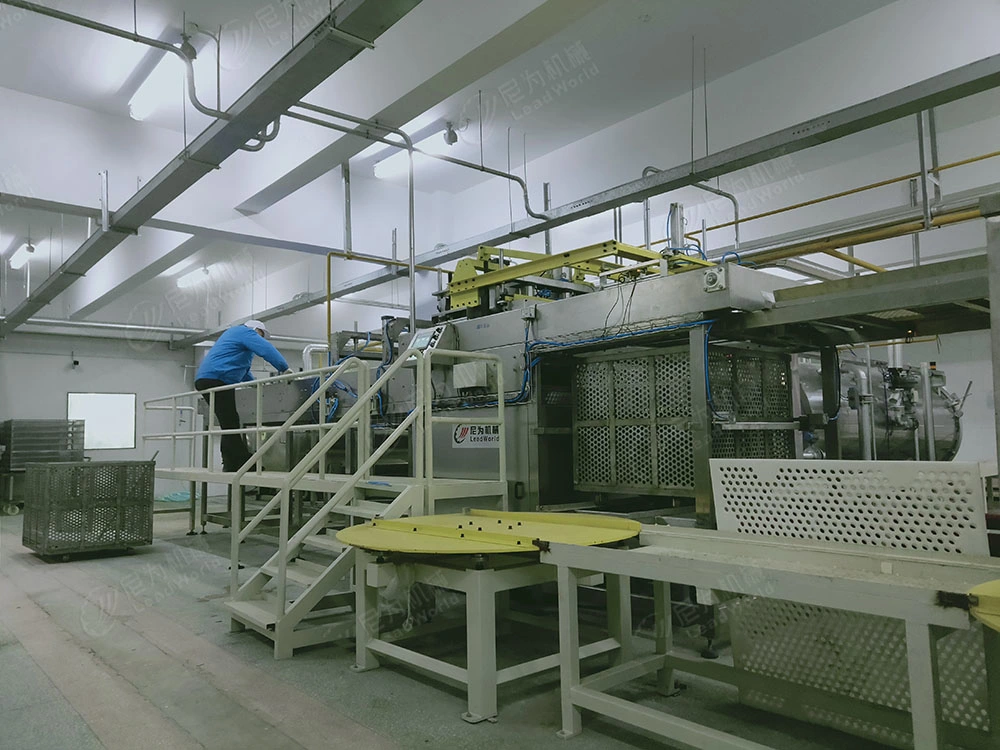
x: 228, y: 362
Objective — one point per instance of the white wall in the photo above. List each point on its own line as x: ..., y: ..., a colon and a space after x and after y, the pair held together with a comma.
x: 36, y: 374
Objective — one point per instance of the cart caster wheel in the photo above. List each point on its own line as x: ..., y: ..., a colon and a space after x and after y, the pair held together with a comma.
x: 10, y: 509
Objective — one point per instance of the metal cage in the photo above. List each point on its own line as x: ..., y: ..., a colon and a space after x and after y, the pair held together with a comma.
x: 88, y: 506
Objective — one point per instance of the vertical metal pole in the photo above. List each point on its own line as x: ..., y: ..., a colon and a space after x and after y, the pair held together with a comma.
x: 260, y: 420
x: 935, y: 162
x: 851, y: 268
x: 928, y: 398
x: 413, y: 253
x: 546, y: 205
x: 864, y: 416
x: 105, y: 203
x: 646, y: 238
x: 367, y: 613
x: 916, y: 235
x: 345, y: 171
x: 677, y: 240
x: 921, y: 659
x: 502, y: 434
x: 664, y: 634
x: 481, y: 624
x: 925, y: 191
x: 830, y: 369
x: 704, y: 237
x: 871, y: 405
x: 619, y: 590
x: 701, y: 427
x: 569, y: 649
x: 395, y: 246
x: 993, y: 259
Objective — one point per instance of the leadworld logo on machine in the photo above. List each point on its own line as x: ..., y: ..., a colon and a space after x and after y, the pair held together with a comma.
x: 472, y: 435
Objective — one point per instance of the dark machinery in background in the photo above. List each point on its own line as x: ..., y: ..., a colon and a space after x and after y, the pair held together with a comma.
x: 31, y: 441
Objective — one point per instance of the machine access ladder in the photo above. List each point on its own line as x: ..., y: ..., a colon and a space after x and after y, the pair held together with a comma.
x: 303, y: 594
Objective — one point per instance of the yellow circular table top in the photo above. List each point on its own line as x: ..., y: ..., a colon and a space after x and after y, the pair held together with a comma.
x: 487, y: 532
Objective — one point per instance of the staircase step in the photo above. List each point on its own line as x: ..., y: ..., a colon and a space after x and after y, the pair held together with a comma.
x: 361, y: 509
x: 325, y: 542
x: 299, y: 571
x: 257, y: 612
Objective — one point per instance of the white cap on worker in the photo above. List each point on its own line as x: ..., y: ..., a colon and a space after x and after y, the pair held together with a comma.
x: 256, y: 325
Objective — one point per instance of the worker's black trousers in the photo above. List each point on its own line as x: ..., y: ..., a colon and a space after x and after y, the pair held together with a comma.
x: 234, y: 447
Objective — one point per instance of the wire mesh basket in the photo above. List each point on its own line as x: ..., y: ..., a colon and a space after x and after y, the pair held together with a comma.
x: 88, y: 506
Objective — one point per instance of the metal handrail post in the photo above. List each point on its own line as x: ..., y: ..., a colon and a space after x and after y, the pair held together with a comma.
x: 331, y: 438
x: 502, y: 430
x: 211, y: 425
x: 260, y: 408
x: 425, y: 404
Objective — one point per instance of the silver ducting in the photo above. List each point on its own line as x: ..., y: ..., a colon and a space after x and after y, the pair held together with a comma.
x: 897, y: 421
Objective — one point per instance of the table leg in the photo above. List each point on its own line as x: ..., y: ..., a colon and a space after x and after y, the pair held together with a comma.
x: 664, y: 633
x: 921, y: 660
x: 620, y: 616
x: 366, y: 613
x: 481, y: 623
x: 569, y: 649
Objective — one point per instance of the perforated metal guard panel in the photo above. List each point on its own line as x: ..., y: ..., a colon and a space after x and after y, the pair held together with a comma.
x: 898, y: 505
x: 901, y: 505
x: 87, y: 506
x: 632, y: 415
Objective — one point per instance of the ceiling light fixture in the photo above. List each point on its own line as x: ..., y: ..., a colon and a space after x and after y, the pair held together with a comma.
x: 397, y: 164
x: 194, y: 278
x: 161, y: 82
x: 21, y: 256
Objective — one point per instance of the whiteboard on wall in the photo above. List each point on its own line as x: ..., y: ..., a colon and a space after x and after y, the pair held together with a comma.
x: 109, y: 419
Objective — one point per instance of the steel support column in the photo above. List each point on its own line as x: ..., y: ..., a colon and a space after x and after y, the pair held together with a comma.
x: 830, y: 369
x: 701, y: 428
x: 993, y: 265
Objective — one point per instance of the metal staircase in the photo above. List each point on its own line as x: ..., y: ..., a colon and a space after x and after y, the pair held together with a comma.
x: 303, y: 594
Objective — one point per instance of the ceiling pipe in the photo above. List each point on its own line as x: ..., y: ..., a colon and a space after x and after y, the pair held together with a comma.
x: 374, y: 124
x: 137, y: 328
x: 130, y: 36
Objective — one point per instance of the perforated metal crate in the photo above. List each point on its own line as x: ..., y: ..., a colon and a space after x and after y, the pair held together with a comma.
x: 88, y: 506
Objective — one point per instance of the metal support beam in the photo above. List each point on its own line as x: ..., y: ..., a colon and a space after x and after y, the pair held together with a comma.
x: 947, y: 87
x: 830, y: 370
x: 701, y: 428
x: 993, y: 261
x: 308, y: 64
x: 345, y: 170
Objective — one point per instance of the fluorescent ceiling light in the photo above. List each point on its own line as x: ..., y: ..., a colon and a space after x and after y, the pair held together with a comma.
x: 194, y: 278
x: 159, y: 87
x: 397, y: 164
x: 784, y: 273
x: 21, y: 256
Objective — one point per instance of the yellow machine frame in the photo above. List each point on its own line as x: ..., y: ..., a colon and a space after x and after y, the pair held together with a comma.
x: 472, y: 275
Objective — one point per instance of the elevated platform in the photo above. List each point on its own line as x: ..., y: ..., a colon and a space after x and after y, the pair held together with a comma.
x: 440, y: 489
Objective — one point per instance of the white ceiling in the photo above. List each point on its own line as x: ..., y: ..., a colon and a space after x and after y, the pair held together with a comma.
x: 640, y: 55
x: 639, y: 52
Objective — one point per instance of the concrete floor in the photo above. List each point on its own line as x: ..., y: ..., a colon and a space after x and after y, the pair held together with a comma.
x: 135, y: 651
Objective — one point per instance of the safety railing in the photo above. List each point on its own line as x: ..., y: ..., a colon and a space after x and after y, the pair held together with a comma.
x: 421, y: 420
x: 186, y: 402
x: 361, y: 410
